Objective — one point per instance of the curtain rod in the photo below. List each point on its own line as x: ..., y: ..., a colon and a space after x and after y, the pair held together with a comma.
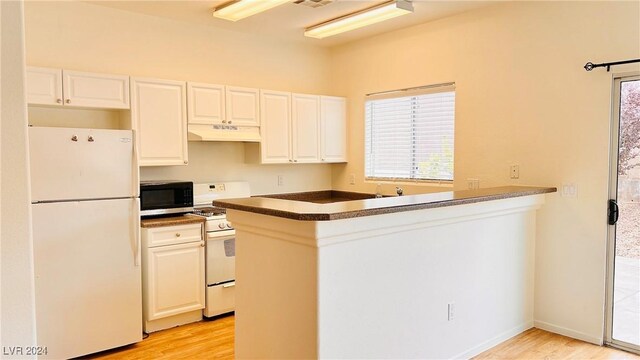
x: 590, y: 66
x: 412, y: 88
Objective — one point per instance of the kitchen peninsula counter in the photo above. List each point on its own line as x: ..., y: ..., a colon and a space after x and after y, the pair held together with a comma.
x: 299, y: 207
x: 336, y: 275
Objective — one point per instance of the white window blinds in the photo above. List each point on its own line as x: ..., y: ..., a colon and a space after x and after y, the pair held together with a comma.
x: 410, y: 137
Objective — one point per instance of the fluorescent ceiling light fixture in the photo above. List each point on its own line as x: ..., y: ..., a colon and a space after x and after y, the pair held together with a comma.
x: 240, y: 9
x: 372, y: 15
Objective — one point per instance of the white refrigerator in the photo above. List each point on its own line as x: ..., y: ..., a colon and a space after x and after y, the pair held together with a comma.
x: 85, y: 206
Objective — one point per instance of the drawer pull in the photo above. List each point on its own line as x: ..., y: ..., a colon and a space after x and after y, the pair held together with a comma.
x: 177, y: 234
x: 228, y: 285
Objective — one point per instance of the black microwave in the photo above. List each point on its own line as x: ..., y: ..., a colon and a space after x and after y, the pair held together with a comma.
x: 165, y: 197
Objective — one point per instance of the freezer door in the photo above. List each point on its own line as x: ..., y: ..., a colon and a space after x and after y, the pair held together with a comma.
x: 73, y: 164
x: 87, y: 276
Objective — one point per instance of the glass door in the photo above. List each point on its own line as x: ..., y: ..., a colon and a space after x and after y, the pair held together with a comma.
x: 623, y: 298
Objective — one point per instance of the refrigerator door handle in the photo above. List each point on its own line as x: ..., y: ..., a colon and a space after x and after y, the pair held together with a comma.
x: 136, y: 231
x: 134, y: 164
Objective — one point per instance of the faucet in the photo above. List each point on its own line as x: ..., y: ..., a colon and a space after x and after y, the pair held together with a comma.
x: 379, y: 191
x: 399, y: 190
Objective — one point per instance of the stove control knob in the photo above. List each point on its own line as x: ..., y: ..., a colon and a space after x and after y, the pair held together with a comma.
x: 228, y: 225
x: 221, y: 226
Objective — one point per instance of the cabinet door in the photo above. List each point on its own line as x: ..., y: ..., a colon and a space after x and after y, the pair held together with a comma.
x: 175, y: 281
x: 275, y: 117
x: 44, y: 86
x: 205, y: 103
x: 242, y: 106
x: 83, y: 89
x: 305, y: 113
x: 159, y: 116
x: 333, y: 129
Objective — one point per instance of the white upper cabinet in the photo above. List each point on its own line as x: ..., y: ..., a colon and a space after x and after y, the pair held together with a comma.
x: 85, y: 89
x: 242, y: 106
x: 159, y: 116
x: 206, y: 103
x: 44, y: 86
x: 305, y: 126
x: 300, y: 128
x: 333, y: 129
x: 275, y: 117
x: 57, y: 87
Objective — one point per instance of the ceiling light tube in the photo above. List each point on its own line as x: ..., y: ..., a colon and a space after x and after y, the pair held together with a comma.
x: 240, y: 9
x: 372, y: 15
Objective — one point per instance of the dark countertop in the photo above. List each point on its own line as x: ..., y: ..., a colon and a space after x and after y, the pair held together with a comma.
x: 315, y: 209
x: 171, y: 221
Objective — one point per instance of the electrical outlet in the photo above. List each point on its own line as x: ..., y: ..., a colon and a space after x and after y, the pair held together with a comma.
x: 280, y: 180
x: 570, y: 190
x: 473, y: 184
x: 515, y: 171
x: 450, y: 311
x: 352, y: 179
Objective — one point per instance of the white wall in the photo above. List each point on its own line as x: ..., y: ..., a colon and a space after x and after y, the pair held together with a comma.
x: 522, y: 97
x: 17, y: 304
x: 367, y: 290
x: 81, y: 36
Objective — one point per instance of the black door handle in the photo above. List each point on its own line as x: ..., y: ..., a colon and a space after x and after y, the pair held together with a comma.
x: 613, y: 212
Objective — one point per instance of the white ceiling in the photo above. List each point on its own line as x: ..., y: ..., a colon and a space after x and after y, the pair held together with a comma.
x: 287, y: 22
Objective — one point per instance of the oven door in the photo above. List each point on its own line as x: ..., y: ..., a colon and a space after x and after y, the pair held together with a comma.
x: 221, y: 257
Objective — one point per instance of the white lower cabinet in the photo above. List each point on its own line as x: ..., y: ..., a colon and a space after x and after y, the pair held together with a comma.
x: 173, y: 276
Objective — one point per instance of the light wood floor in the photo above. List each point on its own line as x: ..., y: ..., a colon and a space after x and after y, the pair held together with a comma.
x: 214, y: 340
x: 537, y: 344
x: 209, y: 339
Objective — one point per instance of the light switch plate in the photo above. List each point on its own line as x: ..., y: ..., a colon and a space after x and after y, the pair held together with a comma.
x: 569, y: 190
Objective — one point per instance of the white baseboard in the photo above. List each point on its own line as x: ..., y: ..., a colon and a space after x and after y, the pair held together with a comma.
x: 494, y: 341
x: 568, y: 332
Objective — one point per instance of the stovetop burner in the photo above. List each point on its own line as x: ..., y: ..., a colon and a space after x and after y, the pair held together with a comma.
x: 209, y: 211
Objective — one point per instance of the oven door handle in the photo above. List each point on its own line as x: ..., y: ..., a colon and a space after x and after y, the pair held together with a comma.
x: 220, y: 237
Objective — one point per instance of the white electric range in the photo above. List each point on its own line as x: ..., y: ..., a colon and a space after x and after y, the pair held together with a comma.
x: 220, y: 244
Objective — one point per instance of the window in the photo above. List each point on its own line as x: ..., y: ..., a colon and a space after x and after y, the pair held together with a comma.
x: 409, y: 134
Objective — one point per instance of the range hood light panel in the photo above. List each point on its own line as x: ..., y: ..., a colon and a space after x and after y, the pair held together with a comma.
x: 240, y: 9
x: 362, y: 18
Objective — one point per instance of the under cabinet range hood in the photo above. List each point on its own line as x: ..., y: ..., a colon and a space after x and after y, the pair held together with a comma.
x: 224, y: 133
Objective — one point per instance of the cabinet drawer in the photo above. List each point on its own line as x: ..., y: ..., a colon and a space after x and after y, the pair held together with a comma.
x: 172, y: 235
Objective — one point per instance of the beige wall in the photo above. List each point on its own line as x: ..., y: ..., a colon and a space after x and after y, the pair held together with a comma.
x: 522, y: 98
x: 17, y: 290
x: 88, y: 37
